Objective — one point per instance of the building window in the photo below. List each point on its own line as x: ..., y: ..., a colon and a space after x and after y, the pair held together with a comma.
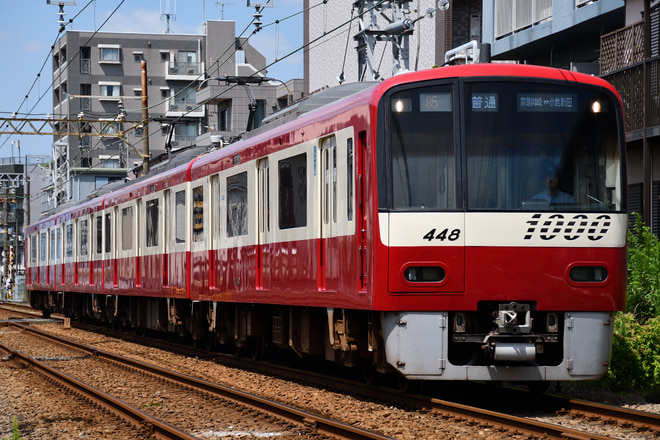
x: 185, y: 134
x: 85, y: 102
x: 110, y: 90
x: 514, y: 15
x: 85, y: 59
x: 109, y: 161
x: 109, y: 54
x: 223, y: 120
x: 138, y: 57
x: 100, y: 181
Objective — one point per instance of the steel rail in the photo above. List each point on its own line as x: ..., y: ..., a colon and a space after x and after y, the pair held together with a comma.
x: 640, y: 419
x: 130, y: 414
x: 320, y: 424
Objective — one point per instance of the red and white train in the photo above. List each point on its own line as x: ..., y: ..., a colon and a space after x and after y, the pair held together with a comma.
x: 459, y: 223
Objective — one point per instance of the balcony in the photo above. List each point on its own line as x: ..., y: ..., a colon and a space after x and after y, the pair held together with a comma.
x: 624, y: 65
x: 184, y: 71
x: 178, y: 107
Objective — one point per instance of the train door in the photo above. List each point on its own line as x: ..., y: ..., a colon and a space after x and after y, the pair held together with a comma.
x: 263, y: 206
x: 115, y: 256
x: 167, y: 236
x: 362, y: 209
x: 214, y: 231
x: 138, y: 243
x: 328, y: 266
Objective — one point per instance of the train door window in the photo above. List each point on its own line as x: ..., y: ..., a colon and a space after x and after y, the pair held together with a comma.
x: 84, y: 238
x: 292, y: 192
x: 167, y: 206
x: 43, y: 247
x: 214, y: 221
x: 33, y: 248
x: 180, y: 216
x: 127, y: 228
x: 264, y: 196
x: 52, y: 245
x: 198, y: 214
x: 237, y: 206
x: 58, y: 253
x: 108, y: 232
x: 349, y: 179
x: 99, y: 234
x: 329, y: 160
x: 69, y: 240
x: 152, y: 222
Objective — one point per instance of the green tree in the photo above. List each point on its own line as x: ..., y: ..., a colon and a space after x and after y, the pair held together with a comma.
x: 643, y: 272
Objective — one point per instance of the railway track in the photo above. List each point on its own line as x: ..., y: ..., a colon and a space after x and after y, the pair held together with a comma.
x: 471, y: 412
x: 307, y: 421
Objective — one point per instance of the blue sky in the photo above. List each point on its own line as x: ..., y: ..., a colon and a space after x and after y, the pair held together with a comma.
x: 30, y: 28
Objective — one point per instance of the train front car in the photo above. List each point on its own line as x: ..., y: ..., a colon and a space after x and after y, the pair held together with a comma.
x: 502, y: 224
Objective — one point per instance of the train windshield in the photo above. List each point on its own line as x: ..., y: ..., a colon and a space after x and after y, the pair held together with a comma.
x: 513, y: 146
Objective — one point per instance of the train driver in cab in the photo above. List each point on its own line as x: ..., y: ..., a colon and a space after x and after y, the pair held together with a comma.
x: 551, y: 192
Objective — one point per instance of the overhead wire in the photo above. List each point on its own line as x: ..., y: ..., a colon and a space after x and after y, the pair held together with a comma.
x: 230, y: 49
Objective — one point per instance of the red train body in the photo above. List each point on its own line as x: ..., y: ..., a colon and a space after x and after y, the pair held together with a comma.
x: 405, y: 227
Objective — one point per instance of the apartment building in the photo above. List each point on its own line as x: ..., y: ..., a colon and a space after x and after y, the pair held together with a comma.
x: 557, y: 33
x: 98, y: 77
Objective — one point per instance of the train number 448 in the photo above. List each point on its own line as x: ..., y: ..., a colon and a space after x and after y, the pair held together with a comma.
x: 444, y: 234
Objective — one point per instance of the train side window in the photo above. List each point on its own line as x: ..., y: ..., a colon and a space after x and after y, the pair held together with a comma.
x: 84, y: 238
x: 69, y: 240
x: 198, y: 214
x: 108, y: 232
x: 180, y: 216
x: 127, y: 228
x: 237, y: 209
x: 43, y: 247
x: 152, y: 223
x: 99, y: 234
x: 292, y: 192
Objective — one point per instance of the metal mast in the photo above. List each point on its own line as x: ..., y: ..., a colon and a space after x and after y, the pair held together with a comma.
x: 398, y: 27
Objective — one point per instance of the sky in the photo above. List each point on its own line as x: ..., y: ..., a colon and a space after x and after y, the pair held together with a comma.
x: 30, y: 28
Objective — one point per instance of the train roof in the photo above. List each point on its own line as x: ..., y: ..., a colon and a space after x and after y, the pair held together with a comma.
x: 309, y: 104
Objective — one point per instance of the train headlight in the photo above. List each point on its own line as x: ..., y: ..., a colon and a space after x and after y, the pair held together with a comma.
x: 588, y: 274
x: 424, y: 274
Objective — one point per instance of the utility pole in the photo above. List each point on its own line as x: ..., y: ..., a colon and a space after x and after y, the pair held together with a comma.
x: 145, y: 121
x: 5, y: 251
